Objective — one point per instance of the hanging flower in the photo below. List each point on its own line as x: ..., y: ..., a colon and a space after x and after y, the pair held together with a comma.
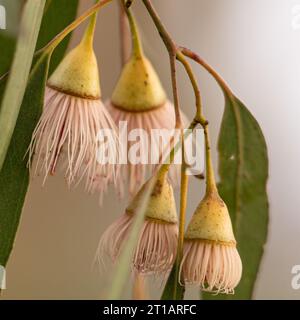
x: 156, y: 248
x: 72, y: 118
x: 210, y: 258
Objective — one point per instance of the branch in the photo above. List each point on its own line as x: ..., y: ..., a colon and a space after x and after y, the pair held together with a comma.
x: 194, y: 56
x: 199, y: 115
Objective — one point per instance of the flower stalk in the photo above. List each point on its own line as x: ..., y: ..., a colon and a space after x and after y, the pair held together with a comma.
x: 175, y: 53
x: 137, y: 48
x: 182, y: 218
x: 61, y: 36
x: 125, y: 35
x: 88, y: 36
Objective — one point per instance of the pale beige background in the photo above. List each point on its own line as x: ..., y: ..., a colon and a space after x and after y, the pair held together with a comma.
x: 254, y: 47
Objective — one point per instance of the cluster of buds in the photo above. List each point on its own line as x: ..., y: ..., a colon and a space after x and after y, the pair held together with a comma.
x: 67, y: 132
x: 66, y: 135
x: 210, y: 257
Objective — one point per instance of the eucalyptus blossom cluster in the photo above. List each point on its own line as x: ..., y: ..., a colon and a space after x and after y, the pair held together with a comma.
x: 66, y: 138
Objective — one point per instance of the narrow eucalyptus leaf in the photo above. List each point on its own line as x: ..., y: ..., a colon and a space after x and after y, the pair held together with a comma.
x: 243, y: 168
x: 7, y: 45
x: 3, y: 81
x: 14, y: 176
x: 16, y: 85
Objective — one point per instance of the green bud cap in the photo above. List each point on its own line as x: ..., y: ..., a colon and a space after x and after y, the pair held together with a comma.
x: 139, y: 88
x: 211, y: 221
x: 161, y: 205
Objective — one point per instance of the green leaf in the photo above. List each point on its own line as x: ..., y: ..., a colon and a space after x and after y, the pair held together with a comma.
x: 3, y: 81
x: 168, y: 293
x: 243, y: 168
x: 14, y: 176
x: 7, y: 44
x: 16, y: 85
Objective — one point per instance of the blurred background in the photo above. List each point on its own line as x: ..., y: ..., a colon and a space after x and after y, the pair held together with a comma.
x: 255, y: 46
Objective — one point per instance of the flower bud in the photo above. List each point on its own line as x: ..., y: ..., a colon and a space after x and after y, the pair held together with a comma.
x: 210, y: 258
x: 72, y: 118
x: 139, y: 88
x: 157, y: 244
x: 140, y: 101
x: 161, y: 205
x: 211, y: 221
x: 78, y: 74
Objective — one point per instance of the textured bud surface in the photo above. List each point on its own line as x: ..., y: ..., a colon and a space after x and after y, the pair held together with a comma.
x: 161, y: 204
x: 138, y: 88
x: 78, y: 74
x: 211, y: 221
